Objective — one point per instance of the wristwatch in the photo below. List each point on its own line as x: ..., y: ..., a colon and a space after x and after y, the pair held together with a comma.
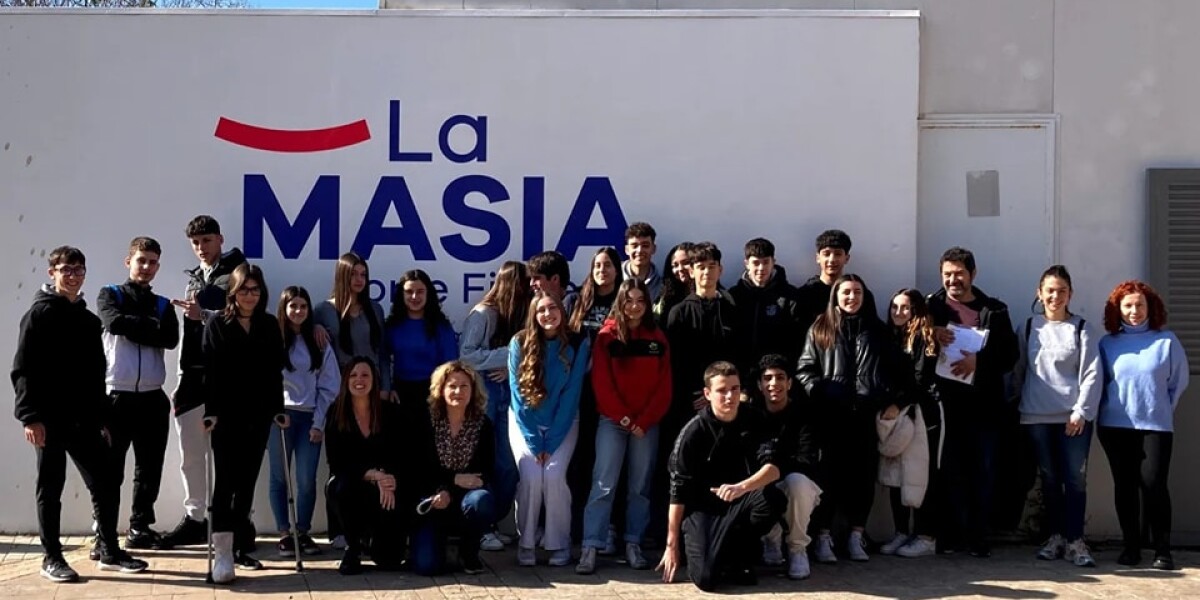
x: 625, y: 422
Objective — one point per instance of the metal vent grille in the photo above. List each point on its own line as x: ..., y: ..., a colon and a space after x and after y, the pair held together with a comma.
x: 1174, y: 251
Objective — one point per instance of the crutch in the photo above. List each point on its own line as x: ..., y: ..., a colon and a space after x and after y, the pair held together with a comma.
x: 208, y: 489
x: 291, y: 497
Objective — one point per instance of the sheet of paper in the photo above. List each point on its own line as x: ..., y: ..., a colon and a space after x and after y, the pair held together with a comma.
x: 968, y: 339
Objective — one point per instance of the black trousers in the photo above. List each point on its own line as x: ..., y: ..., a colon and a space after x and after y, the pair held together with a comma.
x: 721, y: 537
x: 88, y: 450
x: 848, y: 469
x: 365, y: 524
x: 579, y: 471
x: 238, y: 446
x: 1141, y: 464
x: 140, y: 420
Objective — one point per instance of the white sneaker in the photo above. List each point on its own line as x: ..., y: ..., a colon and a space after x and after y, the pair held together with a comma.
x: 773, y: 547
x: 338, y: 543
x: 560, y: 558
x: 857, y: 547
x: 917, y: 547
x: 798, y: 567
x: 1079, y: 554
x: 891, y: 547
x: 824, y: 553
x: 1054, y: 548
x: 526, y: 557
x: 222, y: 570
x: 491, y: 543
x: 587, y: 561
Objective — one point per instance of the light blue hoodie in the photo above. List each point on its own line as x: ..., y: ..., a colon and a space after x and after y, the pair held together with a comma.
x: 1145, y: 373
x: 545, y: 427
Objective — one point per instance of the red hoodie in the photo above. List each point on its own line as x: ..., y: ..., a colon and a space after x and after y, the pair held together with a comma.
x: 632, y: 379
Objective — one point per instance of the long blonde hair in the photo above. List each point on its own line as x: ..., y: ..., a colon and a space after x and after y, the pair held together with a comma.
x: 531, y: 373
x: 476, y: 408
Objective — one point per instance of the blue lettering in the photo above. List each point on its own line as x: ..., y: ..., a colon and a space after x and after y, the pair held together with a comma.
x: 478, y: 125
x: 469, y: 287
x: 391, y: 192
x: 394, y: 153
x: 533, y: 217
x: 597, y: 192
x: 454, y: 203
x: 260, y: 207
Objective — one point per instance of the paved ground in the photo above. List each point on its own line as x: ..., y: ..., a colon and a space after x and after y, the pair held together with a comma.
x: 1011, y: 573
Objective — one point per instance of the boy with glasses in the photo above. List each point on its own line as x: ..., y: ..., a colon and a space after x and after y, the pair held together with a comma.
x: 58, y: 376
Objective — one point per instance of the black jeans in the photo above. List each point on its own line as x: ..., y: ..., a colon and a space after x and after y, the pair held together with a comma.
x: 87, y: 449
x: 717, y: 538
x: 238, y: 446
x: 141, y: 420
x: 848, y: 469
x: 365, y: 523
x: 967, y: 478
x: 1141, y: 464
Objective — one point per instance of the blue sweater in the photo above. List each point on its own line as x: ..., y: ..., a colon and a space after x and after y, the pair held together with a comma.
x: 411, y: 355
x: 545, y: 427
x: 1145, y: 373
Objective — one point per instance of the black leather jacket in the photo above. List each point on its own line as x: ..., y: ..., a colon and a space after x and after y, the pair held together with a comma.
x: 861, y: 368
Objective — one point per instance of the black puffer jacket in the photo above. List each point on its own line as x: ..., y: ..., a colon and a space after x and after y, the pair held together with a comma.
x: 862, y: 367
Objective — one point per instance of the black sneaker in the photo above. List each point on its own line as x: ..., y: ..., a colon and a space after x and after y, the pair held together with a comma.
x: 351, y: 563
x: 147, y: 539
x: 187, y: 533
x: 244, y: 561
x: 1163, y: 562
x: 308, y: 546
x: 57, y: 570
x: 120, y: 560
x: 742, y: 576
x: 286, y: 546
x: 980, y: 550
x: 95, y: 553
x: 471, y: 565
x: 1130, y: 557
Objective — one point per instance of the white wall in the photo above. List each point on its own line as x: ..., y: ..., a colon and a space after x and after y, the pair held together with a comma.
x: 1122, y: 77
x: 753, y: 136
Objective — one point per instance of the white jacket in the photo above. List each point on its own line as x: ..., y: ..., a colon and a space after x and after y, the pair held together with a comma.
x: 904, y: 454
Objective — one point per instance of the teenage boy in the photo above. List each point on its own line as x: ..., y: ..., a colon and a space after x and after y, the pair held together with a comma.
x: 139, y: 326
x: 768, y: 317
x: 207, y: 287
x: 58, y: 377
x: 790, y: 423
x: 973, y: 413
x: 550, y: 271
x: 640, y: 248
x: 833, y: 252
x: 722, y: 500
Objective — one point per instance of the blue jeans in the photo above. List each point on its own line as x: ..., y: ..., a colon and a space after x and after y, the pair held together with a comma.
x: 1062, y: 462
x: 470, y: 519
x: 616, y: 446
x: 505, y: 476
x: 306, y: 455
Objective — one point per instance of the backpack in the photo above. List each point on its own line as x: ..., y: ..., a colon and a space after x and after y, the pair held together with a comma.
x: 163, y: 304
x: 1078, y: 332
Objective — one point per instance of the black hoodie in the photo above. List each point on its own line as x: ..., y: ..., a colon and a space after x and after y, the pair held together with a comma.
x: 700, y: 332
x: 710, y: 452
x: 794, y: 435
x: 812, y: 299
x: 210, y: 293
x: 768, y: 319
x: 58, y: 371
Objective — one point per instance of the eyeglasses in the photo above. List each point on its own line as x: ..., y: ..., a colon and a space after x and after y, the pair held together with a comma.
x: 66, y: 271
x: 249, y: 291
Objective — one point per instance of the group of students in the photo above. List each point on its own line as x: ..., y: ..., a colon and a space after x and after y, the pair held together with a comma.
x: 726, y: 421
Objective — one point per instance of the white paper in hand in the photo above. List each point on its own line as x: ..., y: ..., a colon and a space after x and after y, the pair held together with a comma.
x: 966, y: 339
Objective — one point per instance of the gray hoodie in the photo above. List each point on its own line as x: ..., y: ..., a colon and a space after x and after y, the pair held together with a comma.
x: 653, y: 282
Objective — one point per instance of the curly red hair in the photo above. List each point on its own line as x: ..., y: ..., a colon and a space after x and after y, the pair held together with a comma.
x: 1154, y: 305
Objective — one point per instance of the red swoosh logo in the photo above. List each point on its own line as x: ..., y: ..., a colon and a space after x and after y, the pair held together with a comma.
x: 292, y: 140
